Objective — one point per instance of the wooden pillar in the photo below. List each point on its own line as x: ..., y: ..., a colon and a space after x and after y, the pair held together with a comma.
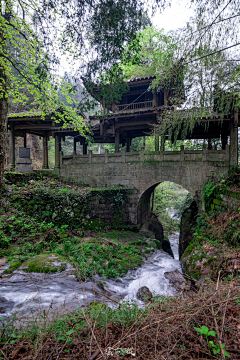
x: 117, y: 138
x: 25, y: 139
x: 162, y: 142
x: 57, y: 150
x: 45, y: 152
x: 12, y: 147
x: 234, y: 139
x: 209, y: 144
x: 144, y: 142
x: 128, y: 144
x: 75, y: 145
x: 224, y: 140
x: 84, y: 147
x: 157, y: 143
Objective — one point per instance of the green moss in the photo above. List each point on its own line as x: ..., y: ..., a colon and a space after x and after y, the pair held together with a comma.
x: 15, y: 265
x: 189, y: 249
x: 45, y: 264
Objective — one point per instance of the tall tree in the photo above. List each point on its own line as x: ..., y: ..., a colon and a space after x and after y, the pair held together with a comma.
x: 33, y: 36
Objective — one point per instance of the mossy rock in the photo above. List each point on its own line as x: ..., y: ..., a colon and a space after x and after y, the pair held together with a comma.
x: 13, y: 265
x: 45, y: 263
x: 130, y: 261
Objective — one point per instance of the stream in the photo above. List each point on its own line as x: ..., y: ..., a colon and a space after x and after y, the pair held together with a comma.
x: 28, y: 294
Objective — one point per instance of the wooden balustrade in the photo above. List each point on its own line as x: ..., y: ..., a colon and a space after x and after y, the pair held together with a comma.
x: 137, y: 105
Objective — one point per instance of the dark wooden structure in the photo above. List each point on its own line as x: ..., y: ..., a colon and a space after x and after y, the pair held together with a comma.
x: 135, y: 116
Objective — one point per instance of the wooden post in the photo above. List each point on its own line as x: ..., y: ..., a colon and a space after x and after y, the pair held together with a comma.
x: 117, y: 139
x: 84, y: 147
x: 234, y: 138
x: 90, y: 156
x: 224, y: 140
x: 12, y: 147
x: 25, y: 139
x: 75, y: 145
x: 162, y: 143
x: 57, y: 150
x: 209, y: 144
x: 128, y: 144
x: 45, y: 152
x: 156, y: 143
x: 144, y: 142
x: 99, y: 149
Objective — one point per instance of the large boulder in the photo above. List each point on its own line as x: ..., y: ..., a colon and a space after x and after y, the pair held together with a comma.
x: 153, y: 226
x: 166, y: 246
x: 177, y: 280
x: 188, y: 222
x: 144, y: 294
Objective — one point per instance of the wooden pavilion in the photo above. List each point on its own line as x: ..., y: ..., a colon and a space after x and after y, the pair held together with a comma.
x: 135, y: 116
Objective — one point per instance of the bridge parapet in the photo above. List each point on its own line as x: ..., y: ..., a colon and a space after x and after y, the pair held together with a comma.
x: 164, y: 156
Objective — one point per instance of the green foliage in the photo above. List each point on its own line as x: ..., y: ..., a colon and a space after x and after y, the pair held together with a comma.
x: 168, y: 196
x: 152, y: 53
x: 183, y: 204
x: 215, y: 348
x: 209, y: 193
x: 98, y: 257
x: 205, y: 331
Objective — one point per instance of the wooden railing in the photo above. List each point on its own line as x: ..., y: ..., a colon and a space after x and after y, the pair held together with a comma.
x: 138, y: 105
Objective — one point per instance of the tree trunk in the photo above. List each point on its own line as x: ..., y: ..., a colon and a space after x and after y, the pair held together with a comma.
x: 3, y: 96
x: 3, y: 123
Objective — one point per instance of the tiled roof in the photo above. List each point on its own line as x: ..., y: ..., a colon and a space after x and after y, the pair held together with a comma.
x: 141, y: 78
x: 26, y: 114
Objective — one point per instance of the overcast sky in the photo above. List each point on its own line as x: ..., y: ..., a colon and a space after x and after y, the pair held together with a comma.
x: 174, y: 17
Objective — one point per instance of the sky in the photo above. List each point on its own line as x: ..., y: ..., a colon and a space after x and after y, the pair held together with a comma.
x: 171, y: 18
x: 174, y: 17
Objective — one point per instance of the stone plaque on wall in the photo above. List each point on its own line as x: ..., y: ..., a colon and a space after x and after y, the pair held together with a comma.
x: 24, y: 153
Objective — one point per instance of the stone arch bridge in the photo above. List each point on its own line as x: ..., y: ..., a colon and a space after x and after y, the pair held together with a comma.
x: 142, y: 172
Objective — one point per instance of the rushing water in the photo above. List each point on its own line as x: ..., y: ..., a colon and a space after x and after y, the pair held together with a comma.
x: 150, y: 274
x: 30, y: 293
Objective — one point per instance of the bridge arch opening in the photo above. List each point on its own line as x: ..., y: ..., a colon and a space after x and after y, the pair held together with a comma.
x: 162, y: 198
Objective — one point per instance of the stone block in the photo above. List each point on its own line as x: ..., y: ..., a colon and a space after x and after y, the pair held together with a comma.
x: 23, y: 168
x: 23, y: 161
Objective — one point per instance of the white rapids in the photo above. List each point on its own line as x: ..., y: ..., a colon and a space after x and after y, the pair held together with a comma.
x: 29, y: 294
x: 150, y: 274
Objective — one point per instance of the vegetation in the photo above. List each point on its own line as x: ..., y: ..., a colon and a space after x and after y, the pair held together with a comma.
x: 127, y: 329
x: 169, y: 197
x: 30, y: 234
x: 216, y: 242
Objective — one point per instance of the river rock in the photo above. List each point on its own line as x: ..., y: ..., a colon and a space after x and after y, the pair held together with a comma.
x: 144, y: 294
x: 166, y: 246
x: 188, y: 221
x: 177, y: 279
